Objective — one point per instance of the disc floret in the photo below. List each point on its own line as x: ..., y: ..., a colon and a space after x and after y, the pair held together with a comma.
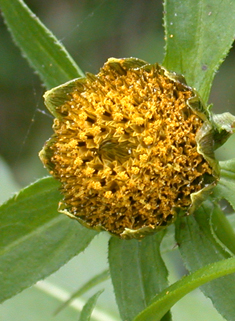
x: 125, y: 147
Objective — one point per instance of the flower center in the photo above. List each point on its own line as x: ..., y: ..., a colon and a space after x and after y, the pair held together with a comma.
x: 125, y: 149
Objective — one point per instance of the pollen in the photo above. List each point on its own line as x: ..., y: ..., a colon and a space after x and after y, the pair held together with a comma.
x: 82, y: 136
x: 124, y: 147
x: 95, y: 185
x: 122, y: 176
x: 143, y: 158
x: 135, y: 170
x: 78, y: 161
x: 138, y: 120
x: 108, y: 194
x: 118, y: 116
x: 88, y: 171
x: 148, y: 140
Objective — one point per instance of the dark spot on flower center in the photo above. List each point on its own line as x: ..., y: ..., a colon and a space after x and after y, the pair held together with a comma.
x: 112, y: 150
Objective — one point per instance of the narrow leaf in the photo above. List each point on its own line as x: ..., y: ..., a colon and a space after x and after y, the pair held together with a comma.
x: 42, y: 50
x: 138, y: 273
x: 199, y: 245
x: 97, y: 279
x: 226, y: 186
x: 166, y: 299
x: 35, y: 239
x: 222, y: 230
x: 89, y: 307
x: 198, y: 36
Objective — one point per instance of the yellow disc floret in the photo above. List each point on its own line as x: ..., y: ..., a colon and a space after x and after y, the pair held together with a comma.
x: 125, y: 149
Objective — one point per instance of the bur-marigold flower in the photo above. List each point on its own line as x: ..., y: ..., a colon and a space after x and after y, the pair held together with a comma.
x: 131, y: 147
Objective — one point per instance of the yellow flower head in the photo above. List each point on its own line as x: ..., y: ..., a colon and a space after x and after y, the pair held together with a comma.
x: 126, y: 147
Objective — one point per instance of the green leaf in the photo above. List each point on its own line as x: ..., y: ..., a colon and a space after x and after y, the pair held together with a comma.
x: 198, y: 36
x: 43, y: 51
x: 231, y: 219
x: 224, y: 127
x: 89, y: 307
x: 97, y: 279
x: 199, y: 245
x: 226, y: 186
x: 35, y: 239
x: 138, y: 273
x: 166, y: 299
x: 222, y: 230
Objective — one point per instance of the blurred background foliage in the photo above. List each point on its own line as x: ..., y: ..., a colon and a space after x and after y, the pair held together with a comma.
x: 92, y: 31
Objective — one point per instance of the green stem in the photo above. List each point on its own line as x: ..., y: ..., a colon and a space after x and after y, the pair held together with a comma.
x: 167, y: 298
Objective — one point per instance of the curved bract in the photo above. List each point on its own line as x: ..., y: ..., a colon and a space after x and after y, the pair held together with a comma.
x: 132, y: 145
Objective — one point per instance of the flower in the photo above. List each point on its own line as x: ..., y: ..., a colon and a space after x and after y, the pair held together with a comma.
x: 131, y: 147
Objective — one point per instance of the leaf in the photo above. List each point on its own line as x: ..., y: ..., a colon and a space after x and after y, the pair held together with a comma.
x: 231, y: 219
x: 226, y: 186
x: 198, y: 36
x: 166, y: 299
x: 88, y: 307
x: 138, y: 273
x: 222, y: 230
x: 35, y: 239
x: 225, y: 189
x: 42, y: 50
x: 97, y: 279
x: 199, y: 245
x: 224, y: 127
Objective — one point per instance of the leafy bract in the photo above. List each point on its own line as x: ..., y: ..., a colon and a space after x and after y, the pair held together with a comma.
x: 35, y: 239
x: 42, y: 50
x: 198, y: 35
